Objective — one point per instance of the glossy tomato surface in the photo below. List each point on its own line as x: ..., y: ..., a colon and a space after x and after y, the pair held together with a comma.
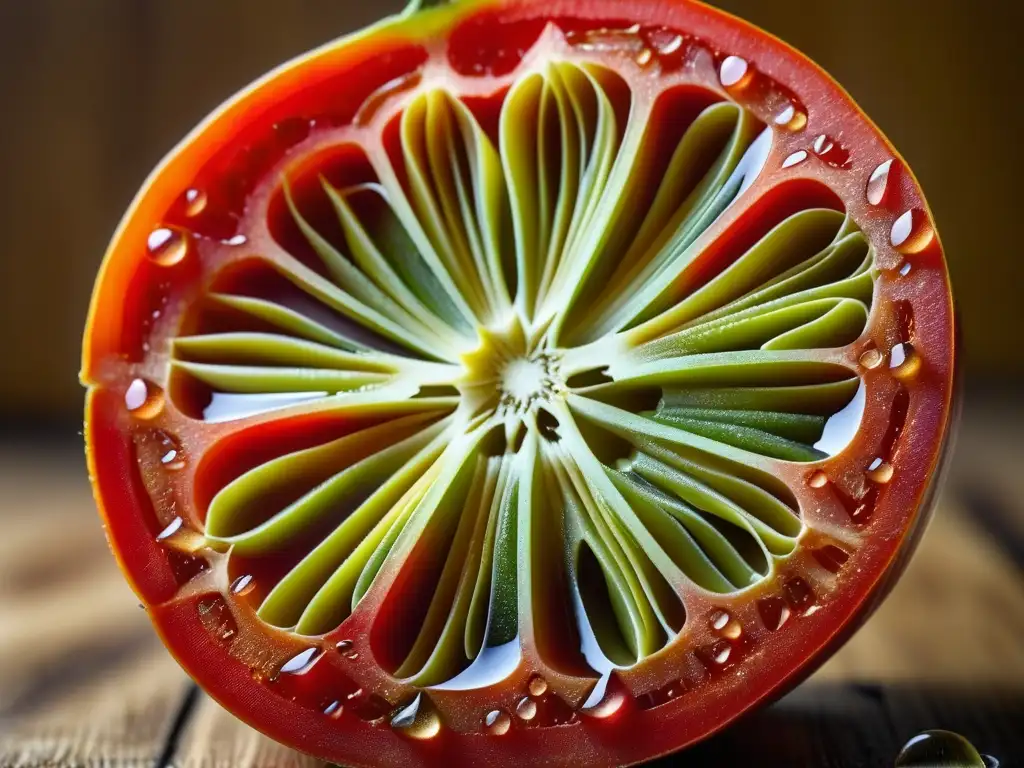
x: 520, y: 382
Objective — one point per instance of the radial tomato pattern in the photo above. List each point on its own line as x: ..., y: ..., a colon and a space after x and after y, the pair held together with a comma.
x: 520, y: 382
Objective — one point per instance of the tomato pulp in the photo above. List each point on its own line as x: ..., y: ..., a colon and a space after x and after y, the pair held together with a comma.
x: 520, y: 382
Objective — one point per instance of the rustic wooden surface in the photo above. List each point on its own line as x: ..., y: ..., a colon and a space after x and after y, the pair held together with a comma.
x: 84, y: 682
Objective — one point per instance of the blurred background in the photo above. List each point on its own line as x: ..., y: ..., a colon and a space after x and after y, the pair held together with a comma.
x: 94, y: 92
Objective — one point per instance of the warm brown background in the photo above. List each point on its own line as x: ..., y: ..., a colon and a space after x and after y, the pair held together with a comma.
x: 93, y: 92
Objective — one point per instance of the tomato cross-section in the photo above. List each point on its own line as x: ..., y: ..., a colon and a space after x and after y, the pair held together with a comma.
x: 545, y: 383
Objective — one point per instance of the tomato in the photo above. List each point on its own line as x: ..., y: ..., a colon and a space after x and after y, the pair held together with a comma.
x: 520, y: 382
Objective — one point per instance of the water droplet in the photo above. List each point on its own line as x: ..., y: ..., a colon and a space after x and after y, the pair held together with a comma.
x: 172, y: 456
x: 170, y: 530
x: 939, y: 749
x: 334, y: 709
x: 774, y: 612
x: 842, y: 427
x: 418, y: 720
x: 720, y: 652
x: 538, y: 686
x: 795, y: 159
x: 904, y: 362
x: 871, y: 359
x: 144, y: 399
x: 195, y: 202
x: 526, y: 709
x: 800, y: 595
x: 879, y: 471
x: 726, y: 625
x: 831, y: 151
x: 905, y: 269
x: 166, y: 246
x: 878, y: 183
x: 346, y: 649
x: 607, y: 39
x: 497, y: 722
x: 792, y: 118
x: 735, y: 72
x: 818, y: 480
x: 301, y: 663
x: 665, y: 42
x: 607, y: 698
x: 911, y: 232
x: 243, y: 585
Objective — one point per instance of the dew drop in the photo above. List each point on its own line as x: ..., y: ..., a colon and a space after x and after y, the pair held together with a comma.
x: 526, y: 709
x: 734, y: 71
x: 538, y: 686
x: 171, y: 529
x: 871, y: 359
x: 607, y: 698
x: 904, y: 362
x: 733, y: 630
x: 792, y: 118
x: 878, y: 183
x: 911, y: 232
x: 497, y: 722
x: 818, y: 480
x: 347, y: 649
x: 172, y: 455
x: 144, y: 399
x: 879, y: 471
x: 666, y: 43
x: 166, y: 246
x: 939, y: 749
x: 774, y: 612
x: 243, y: 585
x: 831, y: 151
x: 720, y: 652
x: 795, y: 159
x: 195, y: 202
x: 842, y: 427
x: 418, y: 720
x: 135, y: 396
x: 300, y: 663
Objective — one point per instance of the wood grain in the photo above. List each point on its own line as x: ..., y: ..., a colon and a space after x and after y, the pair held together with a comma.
x: 86, y: 683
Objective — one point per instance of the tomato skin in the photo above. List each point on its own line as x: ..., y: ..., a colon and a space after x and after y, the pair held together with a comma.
x: 633, y: 734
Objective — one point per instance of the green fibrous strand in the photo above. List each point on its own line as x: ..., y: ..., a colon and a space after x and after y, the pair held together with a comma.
x: 561, y: 392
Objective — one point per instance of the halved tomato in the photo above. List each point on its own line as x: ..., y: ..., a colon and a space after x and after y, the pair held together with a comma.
x: 534, y: 382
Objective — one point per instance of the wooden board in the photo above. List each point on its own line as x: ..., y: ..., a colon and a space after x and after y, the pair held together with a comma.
x: 85, y: 683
